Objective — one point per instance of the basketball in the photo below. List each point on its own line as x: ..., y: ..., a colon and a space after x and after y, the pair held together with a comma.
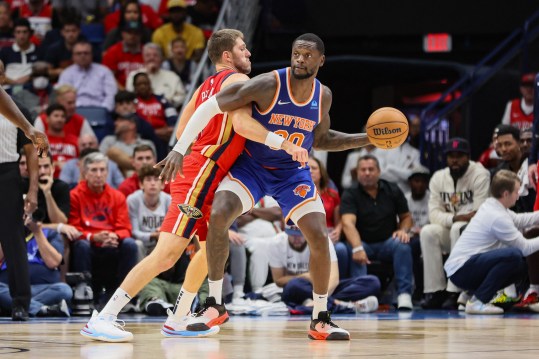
x: 387, y: 128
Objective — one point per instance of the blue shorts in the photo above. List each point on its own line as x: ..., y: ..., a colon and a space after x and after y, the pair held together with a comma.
x: 293, y: 188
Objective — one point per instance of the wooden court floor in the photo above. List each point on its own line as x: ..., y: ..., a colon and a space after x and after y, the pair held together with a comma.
x: 382, y: 335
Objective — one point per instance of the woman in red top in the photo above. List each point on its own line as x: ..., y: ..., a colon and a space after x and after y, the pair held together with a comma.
x: 330, y: 198
x: 130, y: 11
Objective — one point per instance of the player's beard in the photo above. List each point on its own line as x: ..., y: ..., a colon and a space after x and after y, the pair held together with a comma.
x: 304, y: 76
x: 458, y: 173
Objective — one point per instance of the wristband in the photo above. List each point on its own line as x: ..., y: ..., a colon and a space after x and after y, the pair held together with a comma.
x: 357, y: 249
x: 273, y: 140
x: 59, y: 227
x: 181, y: 148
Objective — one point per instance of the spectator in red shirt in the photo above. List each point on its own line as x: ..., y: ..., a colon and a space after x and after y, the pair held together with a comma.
x: 142, y: 155
x: 39, y: 14
x: 64, y: 146
x: 154, y: 108
x: 77, y: 125
x: 126, y: 55
x: 150, y: 18
x: 100, y: 213
x: 131, y: 11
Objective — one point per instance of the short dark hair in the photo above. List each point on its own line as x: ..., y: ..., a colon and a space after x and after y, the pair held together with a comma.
x: 87, y: 151
x: 369, y: 157
x: 124, y: 96
x: 502, y: 181
x: 310, y: 37
x: 22, y: 22
x: 509, y: 130
x: 55, y: 107
x: 142, y: 148
x: 148, y: 171
x: 139, y: 75
x: 83, y: 42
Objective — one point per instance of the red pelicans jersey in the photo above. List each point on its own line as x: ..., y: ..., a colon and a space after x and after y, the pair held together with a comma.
x: 218, y: 135
x: 518, y: 118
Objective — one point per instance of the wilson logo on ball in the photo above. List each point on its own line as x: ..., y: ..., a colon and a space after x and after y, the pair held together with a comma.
x: 385, y: 131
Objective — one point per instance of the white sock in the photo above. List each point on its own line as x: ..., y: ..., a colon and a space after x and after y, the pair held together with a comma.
x: 320, y: 304
x: 534, y: 288
x: 216, y: 290
x: 511, y: 291
x: 118, y: 300
x: 183, y: 303
x: 238, y: 291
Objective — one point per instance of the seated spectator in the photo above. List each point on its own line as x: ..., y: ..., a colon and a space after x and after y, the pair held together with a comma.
x: 349, y: 173
x: 63, y: 146
x: 164, y: 82
x: 126, y: 55
x: 60, y: 54
x: 147, y: 208
x: 19, y: 57
x: 178, y: 27
x: 153, y: 108
x: 35, y: 95
x: 6, y: 26
x: 519, y: 111
x: 125, y: 105
x: 526, y: 139
x: 369, y: 217
x: 418, y: 203
x: 456, y: 192
x: 90, y: 11
x: 76, y: 125
x: 289, y: 258
x: 105, y: 247
x: 488, y: 255
x: 71, y: 171
x: 120, y: 146
x: 45, y: 249
x: 512, y: 160
x: 178, y: 63
x: 129, y: 11
x: 414, y: 139
x: 39, y: 13
x: 95, y: 84
x: 258, y: 228
x: 143, y: 155
x: 150, y: 19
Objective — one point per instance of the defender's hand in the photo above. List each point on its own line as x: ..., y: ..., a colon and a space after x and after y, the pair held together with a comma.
x: 172, y: 166
x: 298, y: 153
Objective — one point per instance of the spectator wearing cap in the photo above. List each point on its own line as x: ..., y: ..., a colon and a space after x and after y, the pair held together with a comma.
x: 289, y: 257
x: 418, y: 203
x: 120, y: 146
x: 193, y: 35
x: 456, y: 192
x: 126, y: 55
x: 376, y: 222
x: 19, y: 57
x: 512, y: 159
x: 164, y: 82
x: 95, y: 84
x: 519, y: 111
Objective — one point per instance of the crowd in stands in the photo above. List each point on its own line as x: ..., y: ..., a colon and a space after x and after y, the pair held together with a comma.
x: 105, y: 80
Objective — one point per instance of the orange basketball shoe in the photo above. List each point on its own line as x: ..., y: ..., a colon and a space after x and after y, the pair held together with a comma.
x: 324, y: 329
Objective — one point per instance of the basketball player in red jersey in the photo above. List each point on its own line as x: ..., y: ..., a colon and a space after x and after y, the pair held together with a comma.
x: 293, y: 104
x: 213, y: 153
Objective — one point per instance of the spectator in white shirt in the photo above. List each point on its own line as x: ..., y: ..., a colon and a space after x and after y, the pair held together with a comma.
x: 489, y: 254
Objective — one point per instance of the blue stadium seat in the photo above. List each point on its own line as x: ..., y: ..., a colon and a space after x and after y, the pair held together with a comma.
x: 94, y: 33
x: 99, y: 118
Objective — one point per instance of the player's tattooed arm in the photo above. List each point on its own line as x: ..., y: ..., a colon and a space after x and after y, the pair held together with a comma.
x: 326, y: 139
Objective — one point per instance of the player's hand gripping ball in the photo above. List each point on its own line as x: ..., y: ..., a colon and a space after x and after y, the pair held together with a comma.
x: 387, y: 128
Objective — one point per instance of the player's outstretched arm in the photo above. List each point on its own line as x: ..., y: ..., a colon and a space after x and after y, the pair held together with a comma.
x: 13, y: 114
x: 329, y: 140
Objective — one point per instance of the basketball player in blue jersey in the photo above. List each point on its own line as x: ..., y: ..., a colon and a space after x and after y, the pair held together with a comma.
x: 292, y: 104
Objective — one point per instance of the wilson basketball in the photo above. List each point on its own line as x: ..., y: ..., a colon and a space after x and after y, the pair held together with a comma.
x: 387, y: 128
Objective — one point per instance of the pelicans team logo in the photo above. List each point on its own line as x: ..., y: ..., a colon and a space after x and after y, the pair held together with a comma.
x: 302, y: 190
x: 189, y: 211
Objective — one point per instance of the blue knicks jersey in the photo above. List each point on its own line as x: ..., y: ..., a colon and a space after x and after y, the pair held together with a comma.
x: 288, y: 118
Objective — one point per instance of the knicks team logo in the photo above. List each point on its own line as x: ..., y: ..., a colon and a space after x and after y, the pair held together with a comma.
x: 314, y: 105
x: 302, y: 190
x: 189, y: 211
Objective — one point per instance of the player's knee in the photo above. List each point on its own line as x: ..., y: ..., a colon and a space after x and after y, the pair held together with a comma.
x: 224, y: 211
